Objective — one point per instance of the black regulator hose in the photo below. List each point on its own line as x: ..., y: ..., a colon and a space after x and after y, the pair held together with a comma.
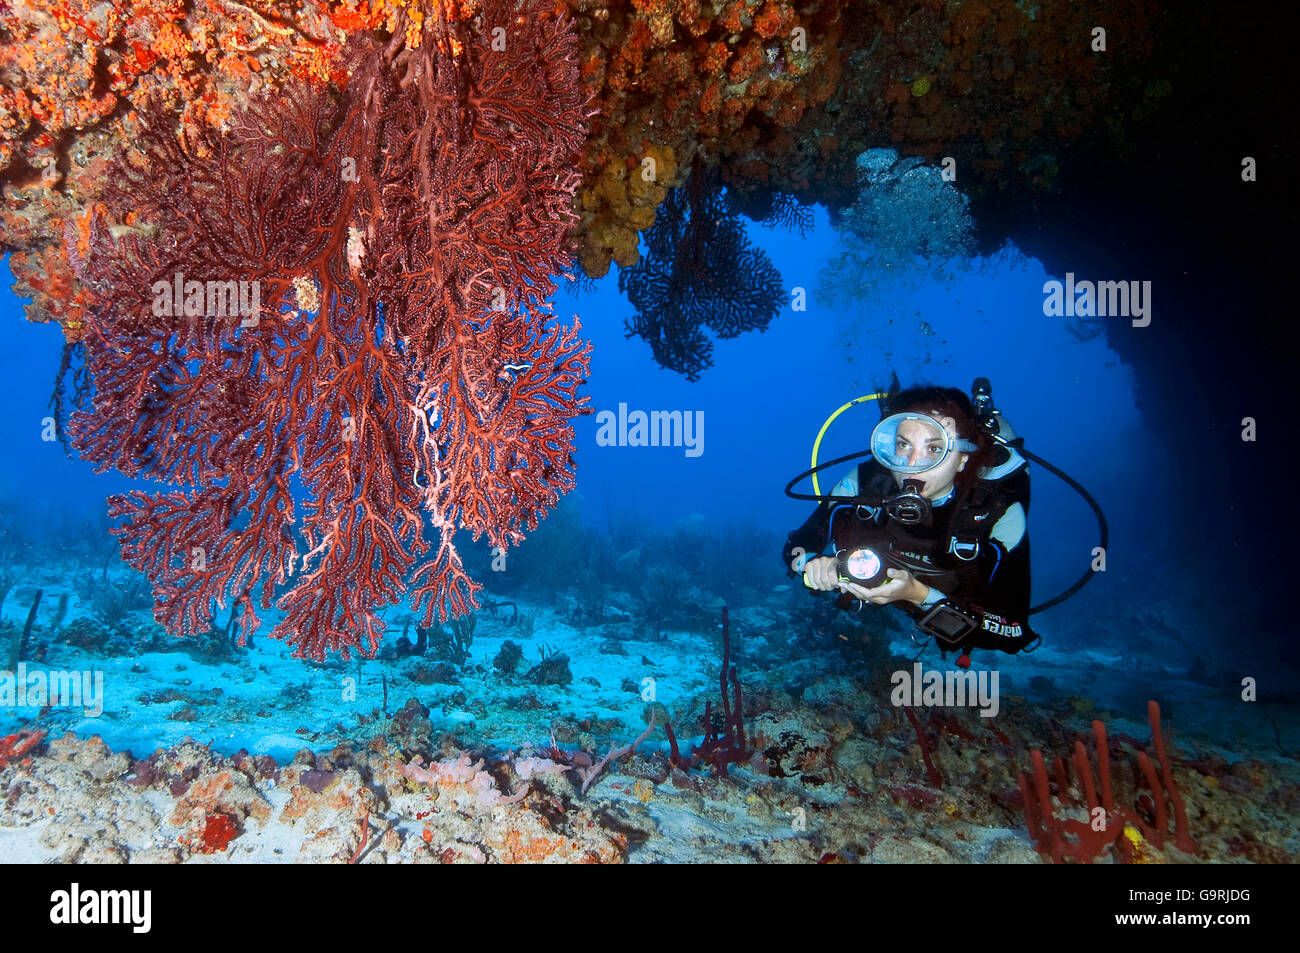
x: 1101, y: 522
x: 824, y: 497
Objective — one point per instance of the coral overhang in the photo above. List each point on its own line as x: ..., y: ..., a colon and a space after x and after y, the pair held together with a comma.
x: 781, y: 96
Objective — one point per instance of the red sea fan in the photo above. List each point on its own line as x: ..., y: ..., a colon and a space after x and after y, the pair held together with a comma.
x: 392, y: 371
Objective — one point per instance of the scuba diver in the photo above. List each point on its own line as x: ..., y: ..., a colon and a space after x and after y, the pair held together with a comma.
x: 934, y: 523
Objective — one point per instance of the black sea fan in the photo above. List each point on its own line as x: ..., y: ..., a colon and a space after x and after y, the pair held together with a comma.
x: 773, y: 209
x: 701, y: 271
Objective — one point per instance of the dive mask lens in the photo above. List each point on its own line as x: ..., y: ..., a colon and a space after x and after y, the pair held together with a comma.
x: 911, y: 443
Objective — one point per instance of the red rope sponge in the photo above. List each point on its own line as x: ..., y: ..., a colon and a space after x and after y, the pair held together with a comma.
x: 1060, y: 837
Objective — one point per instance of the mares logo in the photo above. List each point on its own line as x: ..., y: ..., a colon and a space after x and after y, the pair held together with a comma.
x: 995, y: 625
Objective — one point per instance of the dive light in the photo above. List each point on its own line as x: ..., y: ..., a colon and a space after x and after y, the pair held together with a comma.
x: 863, y: 565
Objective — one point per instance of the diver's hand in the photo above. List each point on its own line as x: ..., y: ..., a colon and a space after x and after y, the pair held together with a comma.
x: 821, y: 573
x: 901, y: 587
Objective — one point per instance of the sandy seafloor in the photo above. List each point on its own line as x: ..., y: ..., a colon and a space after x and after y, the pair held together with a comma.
x: 264, y: 758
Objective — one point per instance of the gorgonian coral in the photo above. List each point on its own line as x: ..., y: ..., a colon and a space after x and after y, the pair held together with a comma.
x: 393, y: 371
x: 700, y: 271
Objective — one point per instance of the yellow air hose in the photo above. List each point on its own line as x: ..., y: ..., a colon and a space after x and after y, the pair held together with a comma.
x: 817, y: 490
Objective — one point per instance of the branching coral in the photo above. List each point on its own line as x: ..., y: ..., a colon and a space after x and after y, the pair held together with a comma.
x: 701, y: 271
x: 73, y: 73
x: 775, y: 210
x: 399, y: 373
x: 718, y: 749
x: 69, y: 363
x: 1123, y: 829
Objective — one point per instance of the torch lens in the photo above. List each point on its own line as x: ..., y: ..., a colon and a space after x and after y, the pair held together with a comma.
x: 863, y: 564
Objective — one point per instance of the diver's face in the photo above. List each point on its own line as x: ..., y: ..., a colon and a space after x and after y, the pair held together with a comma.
x: 919, y: 443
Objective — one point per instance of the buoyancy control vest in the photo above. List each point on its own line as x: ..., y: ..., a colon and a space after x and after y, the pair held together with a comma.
x: 951, y: 553
x: 956, y: 530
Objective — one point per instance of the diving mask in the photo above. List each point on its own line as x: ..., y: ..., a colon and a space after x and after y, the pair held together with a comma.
x: 914, y: 443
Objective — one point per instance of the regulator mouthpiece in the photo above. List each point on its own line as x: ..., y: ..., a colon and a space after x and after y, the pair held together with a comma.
x: 909, y: 506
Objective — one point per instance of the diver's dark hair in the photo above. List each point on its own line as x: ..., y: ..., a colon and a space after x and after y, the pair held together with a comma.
x: 946, y: 402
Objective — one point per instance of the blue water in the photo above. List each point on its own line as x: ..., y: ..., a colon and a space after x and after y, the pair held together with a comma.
x: 762, y: 404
